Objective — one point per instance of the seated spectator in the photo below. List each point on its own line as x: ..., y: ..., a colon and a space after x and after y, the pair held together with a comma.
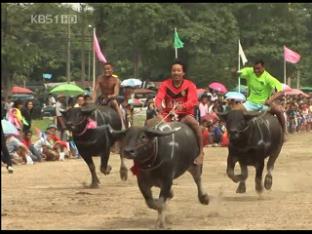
x: 150, y: 111
x: 18, y: 151
x: 15, y: 116
x: 80, y: 101
x: 88, y: 99
x: 217, y: 134
x: 70, y: 102
x: 46, y: 149
x: 203, y: 107
x: 207, y: 135
x: 214, y: 95
x: 59, y: 145
x: 35, y: 154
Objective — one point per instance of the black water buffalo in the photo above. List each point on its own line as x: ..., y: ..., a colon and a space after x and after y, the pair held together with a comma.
x: 254, y: 136
x: 160, y: 156
x: 94, y: 141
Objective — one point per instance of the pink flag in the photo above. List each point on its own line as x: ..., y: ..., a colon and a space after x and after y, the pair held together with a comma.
x: 97, y: 49
x: 291, y: 56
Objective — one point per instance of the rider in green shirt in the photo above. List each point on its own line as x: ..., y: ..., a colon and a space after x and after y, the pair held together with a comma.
x: 261, y: 88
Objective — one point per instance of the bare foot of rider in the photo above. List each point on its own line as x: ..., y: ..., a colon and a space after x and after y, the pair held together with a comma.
x: 200, y: 159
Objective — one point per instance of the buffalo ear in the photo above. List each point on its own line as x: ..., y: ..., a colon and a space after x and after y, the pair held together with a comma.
x: 88, y: 109
x: 223, y: 115
x: 150, y: 132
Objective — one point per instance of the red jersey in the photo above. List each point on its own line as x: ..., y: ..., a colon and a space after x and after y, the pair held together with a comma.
x: 26, y: 142
x: 57, y: 140
x: 169, y: 95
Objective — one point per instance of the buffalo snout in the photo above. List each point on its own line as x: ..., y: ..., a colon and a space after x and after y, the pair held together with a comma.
x: 234, y: 134
x: 70, y: 125
x: 129, y: 153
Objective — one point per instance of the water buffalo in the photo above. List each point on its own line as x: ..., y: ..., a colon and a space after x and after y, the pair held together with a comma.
x: 161, y: 155
x: 94, y: 141
x: 254, y: 136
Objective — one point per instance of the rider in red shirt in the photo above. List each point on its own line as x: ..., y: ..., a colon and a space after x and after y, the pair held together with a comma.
x: 178, y: 95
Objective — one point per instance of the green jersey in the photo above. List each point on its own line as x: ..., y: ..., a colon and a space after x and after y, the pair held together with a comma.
x: 259, y: 88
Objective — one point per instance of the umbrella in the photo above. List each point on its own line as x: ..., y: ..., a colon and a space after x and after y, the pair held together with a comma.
x: 17, y: 89
x: 200, y: 92
x: 218, y: 87
x: 67, y: 90
x: 296, y: 92
x: 243, y: 89
x: 131, y: 82
x: 8, y: 128
x: 235, y: 96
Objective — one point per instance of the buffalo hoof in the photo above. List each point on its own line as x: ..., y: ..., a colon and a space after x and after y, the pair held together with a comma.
x: 94, y: 185
x: 204, y: 199
x: 123, y: 173
x: 268, y: 182
x: 160, y: 224
x: 171, y: 194
x: 241, y: 188
x: 259, y: 188
x: 106, y: 170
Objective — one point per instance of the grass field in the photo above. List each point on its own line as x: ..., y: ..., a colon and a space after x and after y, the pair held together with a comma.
x: 42, y: 124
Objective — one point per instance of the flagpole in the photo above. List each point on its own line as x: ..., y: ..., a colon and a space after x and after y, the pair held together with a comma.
x: 175, y: 49
x: 239, y: 89
x: 284, y: 71
x: 284, y: 76
x: 93, y: 76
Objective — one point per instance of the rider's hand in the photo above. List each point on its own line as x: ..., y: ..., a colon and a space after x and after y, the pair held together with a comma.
x: 179, y: 107
x: 268, y: 102
x: 159, y: 109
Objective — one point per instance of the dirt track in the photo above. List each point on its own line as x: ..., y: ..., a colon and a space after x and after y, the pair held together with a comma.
x: 51, y: 195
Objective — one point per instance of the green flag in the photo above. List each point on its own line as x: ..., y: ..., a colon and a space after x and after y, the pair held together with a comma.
x: 177, y: 41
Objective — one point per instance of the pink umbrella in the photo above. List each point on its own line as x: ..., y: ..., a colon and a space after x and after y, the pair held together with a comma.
x: 200, y: 92
x: 218, y: 87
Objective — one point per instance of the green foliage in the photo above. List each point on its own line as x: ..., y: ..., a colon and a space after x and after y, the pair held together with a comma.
x: 138, y: 39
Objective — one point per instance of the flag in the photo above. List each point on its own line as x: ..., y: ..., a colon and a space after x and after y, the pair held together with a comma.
x: 177, y: 41
x: 291, y: 56
x: 97, y: 49
x: 241, y: 53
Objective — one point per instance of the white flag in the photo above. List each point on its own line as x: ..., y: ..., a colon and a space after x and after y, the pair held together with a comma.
x: 241, y: 53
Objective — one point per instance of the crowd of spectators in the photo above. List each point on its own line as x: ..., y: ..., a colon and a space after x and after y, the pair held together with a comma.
x: 29, y: 144
x: 32, y: 145
x: 298, y: 109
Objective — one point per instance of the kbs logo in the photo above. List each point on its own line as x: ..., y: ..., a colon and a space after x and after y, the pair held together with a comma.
x: 50, y: 19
